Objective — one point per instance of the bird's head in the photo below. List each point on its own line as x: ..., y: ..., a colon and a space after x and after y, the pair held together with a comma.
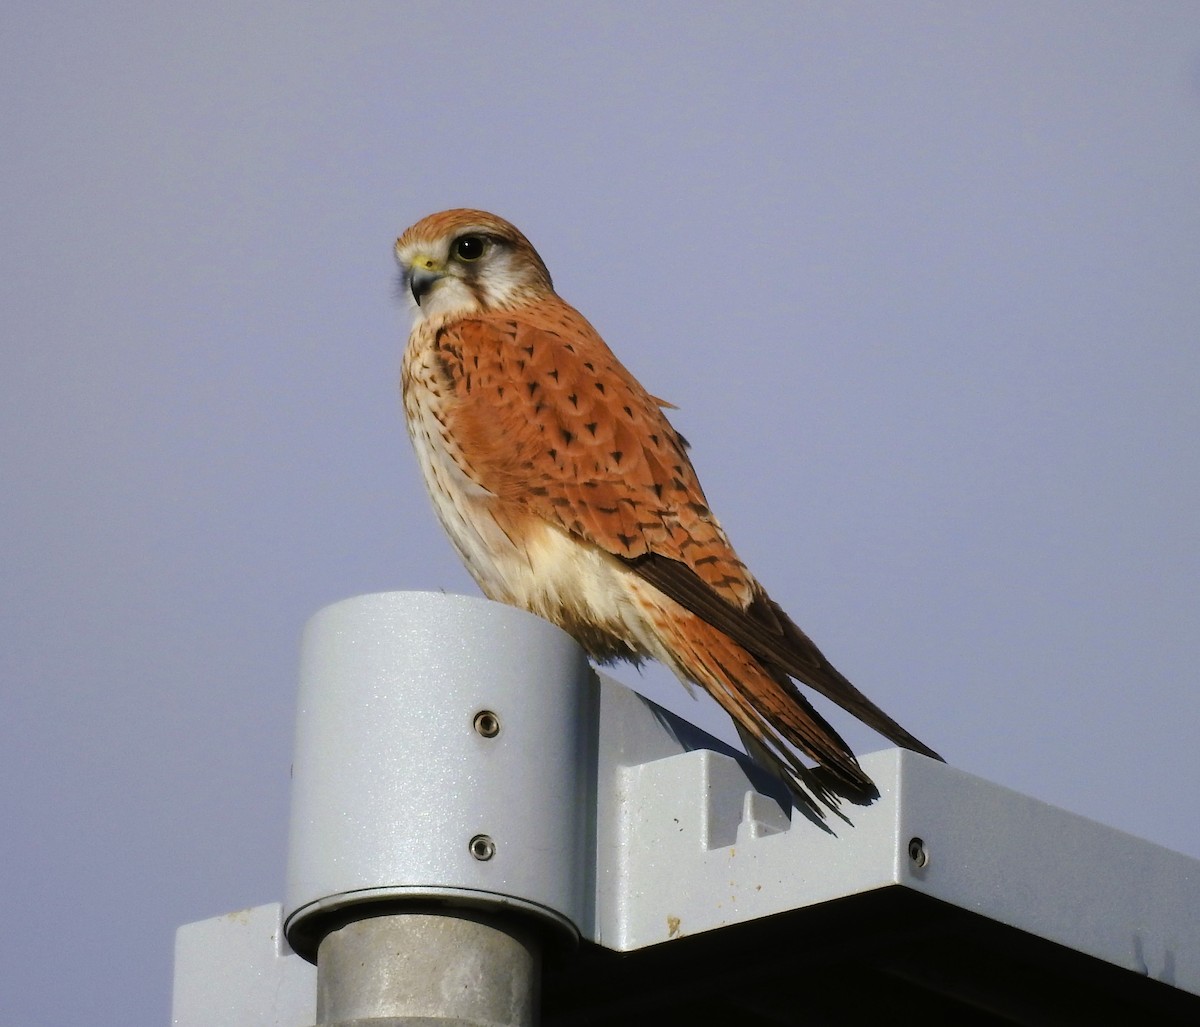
x: 469, y: 261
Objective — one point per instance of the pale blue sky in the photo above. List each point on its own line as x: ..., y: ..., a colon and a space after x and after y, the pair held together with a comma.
x: 922, y: 278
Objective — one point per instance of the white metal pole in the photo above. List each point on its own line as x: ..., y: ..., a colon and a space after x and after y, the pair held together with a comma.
x: 442, y: 807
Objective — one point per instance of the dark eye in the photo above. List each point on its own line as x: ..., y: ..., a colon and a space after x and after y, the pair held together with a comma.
x: 469, y: 247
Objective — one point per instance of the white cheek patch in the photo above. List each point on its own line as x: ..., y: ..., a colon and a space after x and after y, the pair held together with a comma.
x: 501, y: 282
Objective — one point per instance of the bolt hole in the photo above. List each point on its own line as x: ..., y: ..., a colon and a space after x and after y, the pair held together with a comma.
x: 918, y: 853
x: 482, y: 847
x: 487, y: 723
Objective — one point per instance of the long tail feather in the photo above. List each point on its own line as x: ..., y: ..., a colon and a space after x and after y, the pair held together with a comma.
x: 765, y: 630
x: 765, y: 706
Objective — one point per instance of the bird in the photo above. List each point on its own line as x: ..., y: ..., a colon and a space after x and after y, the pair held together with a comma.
x: 566, y: 492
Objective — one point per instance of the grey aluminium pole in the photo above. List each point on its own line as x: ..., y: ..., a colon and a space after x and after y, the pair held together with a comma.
x: 442, y: 790
x: 445, y: 967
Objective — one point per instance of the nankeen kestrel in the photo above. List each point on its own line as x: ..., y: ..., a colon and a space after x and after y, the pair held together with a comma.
x: 567, y: 492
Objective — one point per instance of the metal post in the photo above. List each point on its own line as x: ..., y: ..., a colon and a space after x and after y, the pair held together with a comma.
x: 442, y: 798
x: 451, y: 968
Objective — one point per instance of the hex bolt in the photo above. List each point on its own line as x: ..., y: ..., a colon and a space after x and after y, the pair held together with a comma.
x: 482, y: 847
x: 918, y: 853
x: 487, y: 723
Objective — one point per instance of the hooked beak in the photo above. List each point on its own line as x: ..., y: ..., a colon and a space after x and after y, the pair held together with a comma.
x: 422, y: 277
